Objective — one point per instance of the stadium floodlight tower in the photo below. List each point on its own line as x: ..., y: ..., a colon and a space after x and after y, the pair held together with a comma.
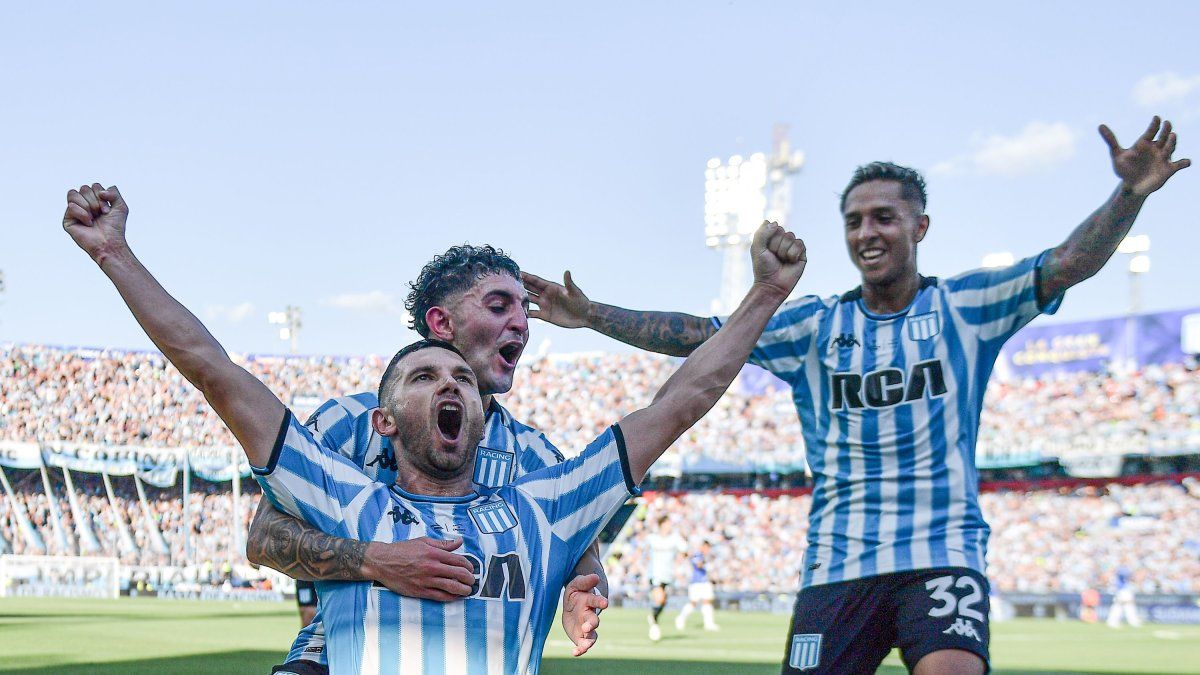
x: 738, y: 196
x: 289, y: 319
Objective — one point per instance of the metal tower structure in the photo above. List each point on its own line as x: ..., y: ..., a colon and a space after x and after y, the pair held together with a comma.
x: 739, y: 195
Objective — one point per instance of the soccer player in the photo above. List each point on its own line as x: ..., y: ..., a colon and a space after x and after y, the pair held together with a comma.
x: 471, y: 297
x: 665, y: 546
x: 700, y: 591
x: 1124, y: 602
x: 888, y: 380
x: 522, y: 539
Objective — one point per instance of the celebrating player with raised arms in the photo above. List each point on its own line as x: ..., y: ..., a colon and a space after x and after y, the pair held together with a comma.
x: 470, y: 297
x: 522, y: 539
x: 888, y: 380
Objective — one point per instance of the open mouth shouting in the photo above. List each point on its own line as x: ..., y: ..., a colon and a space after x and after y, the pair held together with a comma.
x: 450, y: 421
x: 510, y: 353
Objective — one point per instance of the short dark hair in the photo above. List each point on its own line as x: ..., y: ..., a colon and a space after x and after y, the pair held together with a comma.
x: 912, y: 184
x: 390, y: 372
x: 452, y: 272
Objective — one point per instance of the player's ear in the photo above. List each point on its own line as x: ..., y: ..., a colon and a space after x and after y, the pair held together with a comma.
x: 922, y: 227
x: 383, y: 423
x: 440, y: 325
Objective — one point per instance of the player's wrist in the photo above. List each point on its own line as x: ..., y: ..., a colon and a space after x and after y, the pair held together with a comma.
x: 368, y: 569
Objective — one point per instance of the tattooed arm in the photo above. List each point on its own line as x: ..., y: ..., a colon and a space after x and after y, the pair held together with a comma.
x: 671, y: 333
x: 418, y: 568
x: 1143, y: 168
x: 300, y: 550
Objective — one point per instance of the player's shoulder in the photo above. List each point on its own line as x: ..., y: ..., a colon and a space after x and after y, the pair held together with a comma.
x: 524, y: 438
x: 987, y: 277
x: 341, y: 407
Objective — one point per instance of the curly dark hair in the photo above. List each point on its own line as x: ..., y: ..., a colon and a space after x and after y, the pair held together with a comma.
x: 450, y: 273
x: 912, y: 184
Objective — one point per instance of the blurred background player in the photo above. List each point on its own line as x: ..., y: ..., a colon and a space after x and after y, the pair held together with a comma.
x: 888, y: 380
x: 1124, y: 604
x: 700, y: 590
x: 306, y: 599
x: 665, y: 547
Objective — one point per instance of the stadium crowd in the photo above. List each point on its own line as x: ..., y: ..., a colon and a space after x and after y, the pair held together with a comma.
x: 135, y: 398
x: 1042, y: 541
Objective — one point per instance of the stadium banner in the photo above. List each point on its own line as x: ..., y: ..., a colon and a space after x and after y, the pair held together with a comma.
x: 20, y: 455
x: 215, y: 465
x: 156, y: 466
x: 1092, y: 346
x: 1093, y: 466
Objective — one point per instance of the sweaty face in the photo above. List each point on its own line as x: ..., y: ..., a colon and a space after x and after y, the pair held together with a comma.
x: 882, y: 231
x: 437, y: 408
x: 491, y: 329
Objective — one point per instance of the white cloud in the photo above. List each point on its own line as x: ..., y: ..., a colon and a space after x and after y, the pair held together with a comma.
x: 1155, y: 90
x: 230, y: 313
x: 370, y: 302
x: 1038, y: 146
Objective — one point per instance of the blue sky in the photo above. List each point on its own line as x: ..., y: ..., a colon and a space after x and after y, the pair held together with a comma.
x: 318, y: 154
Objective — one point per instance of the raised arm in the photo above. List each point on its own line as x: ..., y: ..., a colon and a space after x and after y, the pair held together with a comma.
x: 566, y: 305
x: 95, y: 219
x: 1143, y: 168
x: 779, y: 259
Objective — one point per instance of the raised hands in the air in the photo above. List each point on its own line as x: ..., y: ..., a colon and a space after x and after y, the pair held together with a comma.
x: 778, y: 257
x: 95, y: 219
x: 1146, y: 165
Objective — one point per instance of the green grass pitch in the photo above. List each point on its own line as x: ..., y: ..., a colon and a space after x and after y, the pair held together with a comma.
x: 52, y: 635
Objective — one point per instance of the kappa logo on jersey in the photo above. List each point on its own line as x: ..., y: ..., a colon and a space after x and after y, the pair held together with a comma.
x: 845, y: 340
x: 400, y: 514
x: 964, y: 627
x: 806, y: 651
x: 886, y: 387
x: 924, y: 326
x: 493, y: 468
x: 493, y: 517
x: 386, y: 459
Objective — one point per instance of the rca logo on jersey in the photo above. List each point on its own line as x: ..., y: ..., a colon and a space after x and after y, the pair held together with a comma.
x: 493, y: 517
x: 806, y: 651
x: 924, y: 326
x: 493, y: 467
x: 963, y: 627
x: 887, y: 387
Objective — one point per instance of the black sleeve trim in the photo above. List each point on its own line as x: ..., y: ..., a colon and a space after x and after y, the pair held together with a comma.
x: 277, y: 448
x: 621, y: 452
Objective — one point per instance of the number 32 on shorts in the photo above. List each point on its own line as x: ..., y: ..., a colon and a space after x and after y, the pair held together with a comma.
x: 939, y: 591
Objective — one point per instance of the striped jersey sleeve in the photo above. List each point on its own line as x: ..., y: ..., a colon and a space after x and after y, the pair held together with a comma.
x: 998, y: 302
x: 786, y: 338
x: 311, y: 481
x: 339, y: 424
x: 579, y: 495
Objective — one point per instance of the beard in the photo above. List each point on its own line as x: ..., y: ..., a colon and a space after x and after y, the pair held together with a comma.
x: 421, y: 450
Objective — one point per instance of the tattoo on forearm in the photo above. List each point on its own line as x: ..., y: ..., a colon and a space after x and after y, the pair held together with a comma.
x: 303, y: 552
x: 670, y: 333
x: 1090, y: 245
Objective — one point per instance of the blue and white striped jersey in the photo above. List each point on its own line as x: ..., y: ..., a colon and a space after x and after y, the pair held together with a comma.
x: 889, y: 407
x: 509, y: 449
x: 524, y: 540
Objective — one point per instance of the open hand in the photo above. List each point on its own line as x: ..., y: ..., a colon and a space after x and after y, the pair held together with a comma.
x: 581, y: 615
x: 778, y: 257
x: 95, y: 219
x: 1146, y: 165
x: 560, y: 304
